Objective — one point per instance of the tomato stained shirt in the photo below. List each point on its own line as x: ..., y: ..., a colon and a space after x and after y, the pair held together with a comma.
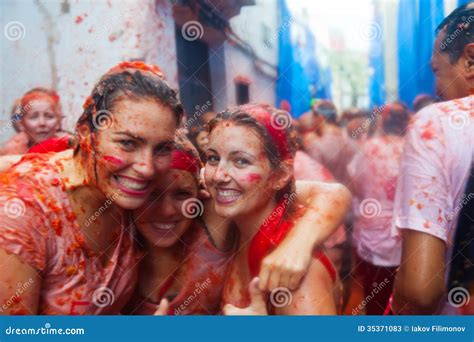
x: 38, y: 225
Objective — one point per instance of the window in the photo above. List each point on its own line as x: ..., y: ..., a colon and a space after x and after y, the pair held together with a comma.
x: 242, y: 93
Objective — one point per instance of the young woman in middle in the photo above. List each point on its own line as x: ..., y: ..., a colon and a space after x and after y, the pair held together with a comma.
x: 188, y: 255
x: 249, y: 173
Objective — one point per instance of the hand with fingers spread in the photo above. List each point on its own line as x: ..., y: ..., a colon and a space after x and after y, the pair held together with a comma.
x: 163, y: 308
x: 257, y: 307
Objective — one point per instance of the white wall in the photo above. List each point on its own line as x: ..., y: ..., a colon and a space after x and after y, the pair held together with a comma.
x: 258, y: 26
x: 88, y: 40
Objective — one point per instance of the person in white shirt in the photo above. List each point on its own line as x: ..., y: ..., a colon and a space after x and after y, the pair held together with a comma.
x: 435, y: 167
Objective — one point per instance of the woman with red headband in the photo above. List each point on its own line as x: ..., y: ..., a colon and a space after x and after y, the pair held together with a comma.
x: 249, y: 173
x: 174, y: 242
x: 188, y: 254
x: 36, y: 117
x: 65, y: 228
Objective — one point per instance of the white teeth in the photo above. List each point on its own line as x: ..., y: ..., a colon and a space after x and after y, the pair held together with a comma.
x: 228, y: 194
x: 132, y: 184
x: 165, y: 226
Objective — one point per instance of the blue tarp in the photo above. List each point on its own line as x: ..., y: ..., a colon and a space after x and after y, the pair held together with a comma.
x: 417, y: 22
x: 299, y: 74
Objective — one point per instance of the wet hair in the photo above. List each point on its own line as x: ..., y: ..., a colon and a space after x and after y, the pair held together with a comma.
x: 131, y: 79
x: 395, y: 118
x: 128, y: 82
x: 459, y: 30
x: 245, y: 115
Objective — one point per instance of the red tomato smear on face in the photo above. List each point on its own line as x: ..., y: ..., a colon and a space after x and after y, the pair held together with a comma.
x: 113, y: 160
x: 254, y: 177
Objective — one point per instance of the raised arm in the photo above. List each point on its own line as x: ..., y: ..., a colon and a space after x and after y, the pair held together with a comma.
x: 327, y: 205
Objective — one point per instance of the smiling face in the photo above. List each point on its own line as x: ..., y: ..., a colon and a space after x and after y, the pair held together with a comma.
x: 40, y: 121
x: 238, y: 172
x: 132, y: 151
x: 161, y: 220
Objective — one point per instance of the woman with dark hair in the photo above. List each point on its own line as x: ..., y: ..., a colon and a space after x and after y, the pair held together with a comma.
x: 249, y: 173
x: 65, y: 227
x: 374, y: 172
x: 189, y: 247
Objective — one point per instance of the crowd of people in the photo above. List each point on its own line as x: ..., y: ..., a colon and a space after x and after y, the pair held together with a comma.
x: 248, y: 211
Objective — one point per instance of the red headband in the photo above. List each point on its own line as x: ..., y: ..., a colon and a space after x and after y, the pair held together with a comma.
x: 137, y: 65
x: 38, y: 95
x: 274, y: 128
x: 181, y: 160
